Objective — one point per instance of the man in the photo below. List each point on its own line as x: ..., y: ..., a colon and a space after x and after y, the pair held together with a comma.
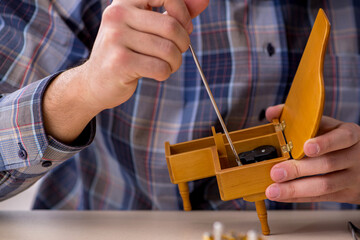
x: 249, y: 51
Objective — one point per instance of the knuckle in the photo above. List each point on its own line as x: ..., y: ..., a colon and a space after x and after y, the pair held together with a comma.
x: 114, y: 13
x: 297, y: 169
x: 168, y: 48
x: 325, y: 186
x: 163, y: 71
x: 116, y: 61
x: 122, y: 56
x: 291, y: 192
x: 112, y: 37
x: 328, y: 163
x: 171, y: 26
x: 184, y: 47
x: 351, y: 132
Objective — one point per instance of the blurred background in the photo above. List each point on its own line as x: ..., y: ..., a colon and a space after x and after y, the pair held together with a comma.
x: 22, y: 201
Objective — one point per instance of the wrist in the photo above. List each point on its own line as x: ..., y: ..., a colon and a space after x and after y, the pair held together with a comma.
x: 66, y: 109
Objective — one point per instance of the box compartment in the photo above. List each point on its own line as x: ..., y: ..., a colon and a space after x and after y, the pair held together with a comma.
x: 248, y: 180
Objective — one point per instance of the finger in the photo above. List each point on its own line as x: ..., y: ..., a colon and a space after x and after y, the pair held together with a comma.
x: 308, y: 187
x: 273, y: 112
x: 137, y: 65
x: 176, y: 9
x: 154, y: 46
x: 293, y: 169
x: 161, y: 25
x: 341, y: 196
x: 327, y: 124
x: 196, y: 6
x: 345, y: 136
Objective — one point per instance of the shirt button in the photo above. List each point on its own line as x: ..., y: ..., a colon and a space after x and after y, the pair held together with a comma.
x: 22, y: 154
x: 46, y: 164
x: 270, y: 49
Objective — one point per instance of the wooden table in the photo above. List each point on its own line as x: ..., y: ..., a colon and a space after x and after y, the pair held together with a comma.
x: 160, y: 225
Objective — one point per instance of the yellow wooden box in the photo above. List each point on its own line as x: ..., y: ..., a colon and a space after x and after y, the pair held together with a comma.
x: 299, y: 121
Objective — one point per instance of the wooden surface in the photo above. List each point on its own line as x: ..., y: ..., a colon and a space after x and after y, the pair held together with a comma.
x: 158, y: 225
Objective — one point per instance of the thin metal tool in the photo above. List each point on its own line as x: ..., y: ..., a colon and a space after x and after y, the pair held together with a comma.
x: 355, y: 232
x: 214, y: 105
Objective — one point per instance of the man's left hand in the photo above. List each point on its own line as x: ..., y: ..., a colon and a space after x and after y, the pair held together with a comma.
x: 329, y: 172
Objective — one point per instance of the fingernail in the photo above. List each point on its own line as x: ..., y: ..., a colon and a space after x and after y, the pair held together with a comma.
x: 312, y: 148
x: 278, y: 174
x: 273, y: 191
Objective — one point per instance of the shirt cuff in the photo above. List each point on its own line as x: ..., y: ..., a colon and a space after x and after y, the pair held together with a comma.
x: 23, y: 140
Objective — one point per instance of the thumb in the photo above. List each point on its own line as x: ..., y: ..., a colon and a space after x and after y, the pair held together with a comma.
x: 274, y: 112
x: 195, y: 7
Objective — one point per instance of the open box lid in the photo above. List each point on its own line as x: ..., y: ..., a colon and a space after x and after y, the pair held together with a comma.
x: 304, y: 105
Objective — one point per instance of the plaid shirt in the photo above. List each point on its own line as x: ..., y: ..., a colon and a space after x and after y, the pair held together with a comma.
x: 249, y: 50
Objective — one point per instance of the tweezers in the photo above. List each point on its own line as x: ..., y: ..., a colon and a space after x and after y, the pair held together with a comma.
x: 355, y: 231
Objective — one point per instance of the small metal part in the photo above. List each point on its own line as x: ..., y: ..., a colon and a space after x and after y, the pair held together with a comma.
x: 259, y: 154
x: 287, y: 148
x: 355, y: 231
x: 280, y: 126
x: 214, y: 105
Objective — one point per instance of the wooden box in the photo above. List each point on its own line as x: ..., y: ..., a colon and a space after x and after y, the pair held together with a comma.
x: 299, y: 121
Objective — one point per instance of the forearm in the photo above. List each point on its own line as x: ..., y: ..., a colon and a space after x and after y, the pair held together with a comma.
x: 27, y: 151
x: 66, y: 108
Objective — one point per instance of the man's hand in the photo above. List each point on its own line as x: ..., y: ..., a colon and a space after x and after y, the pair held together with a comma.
x: 331, y: 170
x: 132, y: 42
x: 135, y: 42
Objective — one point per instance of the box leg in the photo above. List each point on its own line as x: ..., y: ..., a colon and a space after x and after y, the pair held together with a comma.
x: 184, y: 193
x: 262, y: 214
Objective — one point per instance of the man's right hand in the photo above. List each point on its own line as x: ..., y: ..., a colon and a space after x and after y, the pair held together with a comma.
x: 132, y: 42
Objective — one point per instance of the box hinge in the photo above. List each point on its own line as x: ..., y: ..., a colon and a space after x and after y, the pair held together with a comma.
x: 280, y: 126
x: 287, y: 148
